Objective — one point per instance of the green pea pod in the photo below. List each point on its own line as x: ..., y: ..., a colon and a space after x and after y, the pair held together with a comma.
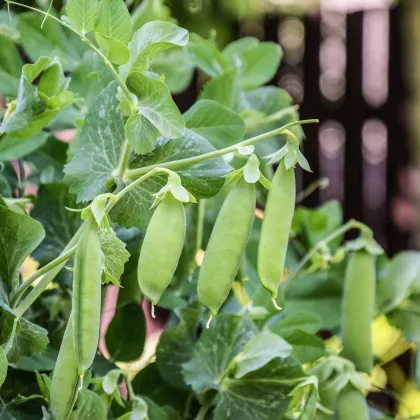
x: 87, y: 297
x: 275, y: 228
x: 352, y: 404
x: 226, y: 246
x: 66, y: 380
x: 358, y: 310
x: 161, y: 249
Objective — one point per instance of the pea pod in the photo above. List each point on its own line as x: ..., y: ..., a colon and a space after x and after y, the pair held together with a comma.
x: 162, y: 247
x: 275, y: 228
x: 65, y: 381
x: 358, y: 310
x: 226, y: 246
x: 352, y: 404
x: 87, y: 297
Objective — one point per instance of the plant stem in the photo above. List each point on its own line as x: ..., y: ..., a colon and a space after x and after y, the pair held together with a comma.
x: 200, y: 223
x: 130, y: 390
x: 320, y: 183
x: 62, y: 258
x: 203, y: 410
x: 217, y: 153
x: 187, y: 408
x: 351, y: 224
x: 272, y: 118
x: 48, y: 277
x: 12, y: 336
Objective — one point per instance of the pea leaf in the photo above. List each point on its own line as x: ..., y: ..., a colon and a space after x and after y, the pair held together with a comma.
x: 10, y: 67
x: 83, y: 14
x: 110, y: 382
x: 150, y: 10
x: 29, y: 338
x: 215, y: 122
x: 13, y: 149
x: 156, y: 104
x: 141, y: 134
x: 114, y: 20
x: 259, y: 351
x: 113, y: 49
x: 287, y: 324
x: 100, y: 143
x: 306, y: 347
x: 176, y: 347
x: 19, y: 236
x: 149, y: 40
x: 59, y: 223
x: 222, y: 88
x: 115, y: 256
x: 3, y: 366
x: 89, y: 406
x: 215, y: 349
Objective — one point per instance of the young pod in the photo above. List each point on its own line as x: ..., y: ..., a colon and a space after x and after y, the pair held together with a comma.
x: 87, y: 297
x: 226, y: 246
x: 65, y: 381
x: 358, y: 310
x: 275, y: 228
x: 352, y: 404
x: 161, y: 249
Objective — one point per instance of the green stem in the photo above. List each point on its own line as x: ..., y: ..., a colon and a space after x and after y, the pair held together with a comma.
x: 217, y: 153
x: 123, y: 162
x: 62, y: 258
x: 12, y: 336
x: 200, y: 224
x: 203, y: 410
x: 187, y: 408
x: 48, y: 277
x: 320, y: 183
x: 130, y: 390
x: 271, y: 118
x: 351, y: 224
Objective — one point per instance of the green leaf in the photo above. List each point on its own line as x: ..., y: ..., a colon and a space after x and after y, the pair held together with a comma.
x: 263, y: 393
x: 176, y: 68
x: 203, y: 180
x: 115, y: 256
x: 113, y: 49
x: 302, y: 321
x: 50, y: 40
x: 3, y: 366
x: 149, y: 40
x: 407, y: 319
x: 259, y: 351
x: 126, y: 333
x: 114, y: 20
x: 99, y: 148
x: 10, y: 67
x: 110, y: 382
x: 39, y: 362
x: 141, y: 134
x: 9, y: 85
x: 176, y: 347
x: 215, y: 349
x: 306, y: 347
x: 29, y: 338
x: 89, y: 406
x: 150, y: 10
x: 14, y: 149
x: 222, y: 88
x: 156, y: 104
x: 19, y: 236
x: 59, y: 223
x: 83, y: 14
x: 215, y: 122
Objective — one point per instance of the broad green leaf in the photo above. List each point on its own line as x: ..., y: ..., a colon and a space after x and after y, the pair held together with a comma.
x: 303, y: 321
x: 306, y: 347
x: 10, y: 67
x: 149, y: 40
x: 14, y: 148
x: 89, y: 406
x: 216, y: 123
x: 407, y: 319
x: 263, y: 393
x: 29, y: 338
x: 156, y: 104
x: 203, y: 180
x: 39, y: 362
x: 150, y: 10
x: 141, y: 134
x: 52, y: 40
x: 176, y: 347
x: 115, y: 256
x: 114, y: 21
x: 9, y: 85
x: 401, y: 280
x: 113, y: 49
x: 222, y: 88
x: 206, y: 56
x: 110, y: 382
x: 234, y: 50
x: 83, y: 14
x: 8, y: 26
x: 3, y: 366
x: 99, y: 148
x: 259, y: 351
x: 19, y: 236
x: 176, y: 68
x: 126, y: 333
x: 59, y: 223
x: 215, y: 350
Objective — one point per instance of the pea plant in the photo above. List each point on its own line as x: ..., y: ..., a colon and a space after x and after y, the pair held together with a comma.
x: 264, y: 311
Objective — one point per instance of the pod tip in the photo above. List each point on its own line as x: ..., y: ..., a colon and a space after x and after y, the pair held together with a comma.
x: 279, y: 308
x: 81, y: 376
x: 152, y: 311
x: 208, y: 321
